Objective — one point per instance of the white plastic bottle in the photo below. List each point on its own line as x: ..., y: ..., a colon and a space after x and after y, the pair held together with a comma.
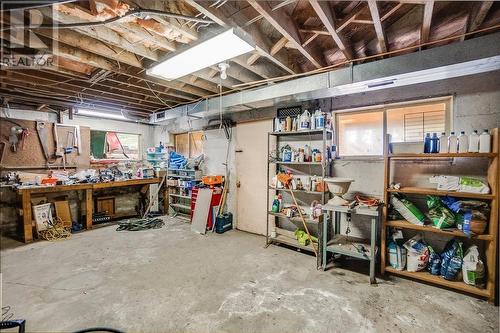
x: 443, y: 143
x: 452, y: 143
x: 474, y: 142
x: 313, y: 121
x: 463, y: 142
x: 485, y: 142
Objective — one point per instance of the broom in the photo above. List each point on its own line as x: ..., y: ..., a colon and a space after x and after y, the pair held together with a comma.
x: 286, y: 179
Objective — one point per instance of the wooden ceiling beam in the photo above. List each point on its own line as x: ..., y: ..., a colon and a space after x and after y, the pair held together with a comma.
x: 92, y: 45
x: 114, y: 84
x: 253, y: 58
x: 61, y: 101
x: 390, y: 12
x: 128, y: 28
x: 427, y: 20
x: 282, y: 22
x: 382, y: 44
x: 262, y: 70
x: 34, y: 81
x: 278, y: 45
x: 480, y: 15
x: 21, y: 87
x: 105, y: 35
x: 327, y: 17
x: 262, y: 43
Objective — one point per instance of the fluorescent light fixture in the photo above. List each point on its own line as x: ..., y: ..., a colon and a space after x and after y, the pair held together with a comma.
x: 226, y: 45
x: 98, y: 114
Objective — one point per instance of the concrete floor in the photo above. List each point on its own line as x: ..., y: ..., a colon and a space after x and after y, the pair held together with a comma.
x: 172, y: 280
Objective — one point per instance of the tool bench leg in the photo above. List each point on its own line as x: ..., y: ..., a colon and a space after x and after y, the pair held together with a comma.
x: 88, y: 209
x: 373, y: 241
x: 27, y: 226
x: 326, y: 220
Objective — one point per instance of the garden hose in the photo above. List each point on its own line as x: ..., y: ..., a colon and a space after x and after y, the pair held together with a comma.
x: 140, y: 224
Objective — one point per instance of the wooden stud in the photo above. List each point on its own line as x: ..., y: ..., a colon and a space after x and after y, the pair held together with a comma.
x: 327, y: 17
x: 372, y: 4
x: 282, y: 22
x: 426, y: 25
x: 27, y: 223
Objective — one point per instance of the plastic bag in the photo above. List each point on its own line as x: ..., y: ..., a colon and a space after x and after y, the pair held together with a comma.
x: 451, y: 260
x: 472, y: 185
x: 417, y: 256
x: 408, y: 210
x: 440, y: 216
x: 473, y: 267
x: 434, y: 265
x: 397, y: 256
x: 480, y: 209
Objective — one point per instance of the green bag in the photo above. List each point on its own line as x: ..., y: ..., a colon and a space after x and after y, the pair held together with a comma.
x: 440, y: 216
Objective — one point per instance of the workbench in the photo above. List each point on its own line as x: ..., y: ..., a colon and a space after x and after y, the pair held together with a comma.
x: 88, y: 188
x: 347, y: 245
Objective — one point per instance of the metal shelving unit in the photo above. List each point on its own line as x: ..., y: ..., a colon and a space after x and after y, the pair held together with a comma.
x: 347, y: 245
x: 323, y: 168
x: 179, y: 203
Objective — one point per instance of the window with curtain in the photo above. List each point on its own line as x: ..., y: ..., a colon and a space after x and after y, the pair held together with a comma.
x: 114, y: 145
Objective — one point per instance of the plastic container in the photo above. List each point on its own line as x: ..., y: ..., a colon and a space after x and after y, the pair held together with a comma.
x: 485, y: 142
x: 313, y: 121
x: 288, y: 122
x: 320, y: 120
x: 434, y: 144
x: 443, y: 143
x: 452, y: 143
x: 474, y: 142
x: 463, y: 143
x: 305, y: 121
x: 427, y: 143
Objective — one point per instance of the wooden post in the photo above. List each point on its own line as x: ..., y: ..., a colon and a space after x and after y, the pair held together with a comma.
x: 27, y: 224
x: 491, y: 247
x: 88, y: 209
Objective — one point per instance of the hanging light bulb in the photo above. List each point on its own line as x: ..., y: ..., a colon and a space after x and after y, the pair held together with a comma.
x: 223, y: 66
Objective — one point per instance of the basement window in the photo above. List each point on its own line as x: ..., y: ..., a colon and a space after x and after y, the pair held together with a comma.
x: 361, y: 132
x: 411, y: 123
x: 114, y: 145
x: 189, y: 144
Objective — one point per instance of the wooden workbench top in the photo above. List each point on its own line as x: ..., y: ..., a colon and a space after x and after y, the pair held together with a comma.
x: 85, y: 186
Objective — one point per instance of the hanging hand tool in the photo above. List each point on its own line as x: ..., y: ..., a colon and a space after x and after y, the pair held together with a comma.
x: 13, y: 137
x: 24, y: 135
x: 58, y: 151
x: 42, y: 135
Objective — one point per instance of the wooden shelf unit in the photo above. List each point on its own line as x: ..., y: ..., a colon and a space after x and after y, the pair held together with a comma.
x: 490, y: 239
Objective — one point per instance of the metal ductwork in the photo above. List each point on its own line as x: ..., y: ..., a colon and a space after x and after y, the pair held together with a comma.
x: 474, y: 56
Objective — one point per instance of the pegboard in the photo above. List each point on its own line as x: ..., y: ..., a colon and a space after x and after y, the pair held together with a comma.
x: 32, y: 157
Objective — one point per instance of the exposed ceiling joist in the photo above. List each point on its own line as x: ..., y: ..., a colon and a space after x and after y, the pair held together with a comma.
x: 327, y: 17
x: 262, y: 43
x: 382, y: 44
x: 74, y: 39
x: 106, y: 35
x: 426, y: 24
x: 280, y: 20
x: 480, y: 15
